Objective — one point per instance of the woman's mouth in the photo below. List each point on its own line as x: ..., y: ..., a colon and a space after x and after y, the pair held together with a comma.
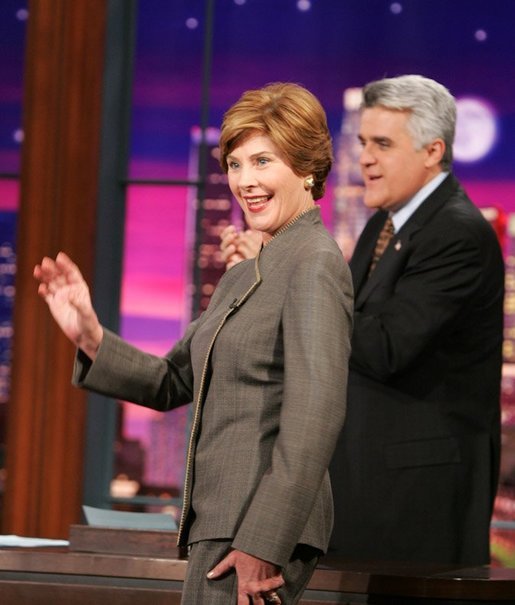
x: 257, y: 204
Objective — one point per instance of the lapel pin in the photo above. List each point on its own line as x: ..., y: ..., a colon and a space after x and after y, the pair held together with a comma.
x: 398, y: 245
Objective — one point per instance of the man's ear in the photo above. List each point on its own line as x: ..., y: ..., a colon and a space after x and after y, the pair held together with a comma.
x: 435, y: 151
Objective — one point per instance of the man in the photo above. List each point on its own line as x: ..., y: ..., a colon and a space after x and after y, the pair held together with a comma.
x: 415, y: 471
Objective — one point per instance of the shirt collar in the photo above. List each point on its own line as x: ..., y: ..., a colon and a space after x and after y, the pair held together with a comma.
x: 401, y: 216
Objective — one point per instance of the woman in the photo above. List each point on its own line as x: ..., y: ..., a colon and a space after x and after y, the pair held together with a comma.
x: 265, y: 365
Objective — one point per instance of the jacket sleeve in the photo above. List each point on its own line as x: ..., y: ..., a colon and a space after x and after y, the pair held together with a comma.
x: 444, y: 277
x: 124, y: 372
x: 316, y: 330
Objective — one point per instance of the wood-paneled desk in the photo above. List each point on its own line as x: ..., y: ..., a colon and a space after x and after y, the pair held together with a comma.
x: 62, y: 577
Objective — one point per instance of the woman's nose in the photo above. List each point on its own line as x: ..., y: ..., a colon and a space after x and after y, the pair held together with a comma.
x: 247, y: 177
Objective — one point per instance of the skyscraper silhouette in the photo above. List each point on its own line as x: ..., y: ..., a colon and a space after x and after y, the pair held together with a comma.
x: 349, y: 212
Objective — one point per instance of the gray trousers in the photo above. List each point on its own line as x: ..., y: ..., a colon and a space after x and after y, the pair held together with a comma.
x: 198, y: 590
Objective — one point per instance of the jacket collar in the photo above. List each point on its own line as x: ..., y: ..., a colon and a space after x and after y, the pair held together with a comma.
x: 420, y: 217
x: 285, y: 241
x: 277, y: 250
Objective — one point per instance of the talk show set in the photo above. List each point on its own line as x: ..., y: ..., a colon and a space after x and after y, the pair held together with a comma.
x: 257, y: 280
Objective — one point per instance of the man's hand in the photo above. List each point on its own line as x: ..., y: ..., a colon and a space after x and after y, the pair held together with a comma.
x: 239, y: 245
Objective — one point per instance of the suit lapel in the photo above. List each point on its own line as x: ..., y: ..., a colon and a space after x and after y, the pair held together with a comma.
x: 361, y: 258
x: 388, y: 261
x: 397, y: 246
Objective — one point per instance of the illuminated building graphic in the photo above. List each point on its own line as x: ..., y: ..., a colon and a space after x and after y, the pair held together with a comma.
x: 7, y: 289
x: 502, y: 541
x: 215, y: 213
x: 7, y: 276
x: 163, y: 475
x: 349, y: 212
x: 509, y: 297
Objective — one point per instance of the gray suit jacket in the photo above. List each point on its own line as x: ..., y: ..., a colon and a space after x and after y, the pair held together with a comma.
x: 266, y: 368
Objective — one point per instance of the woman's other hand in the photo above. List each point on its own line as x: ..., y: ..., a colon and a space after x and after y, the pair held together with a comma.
x: 257, y: 579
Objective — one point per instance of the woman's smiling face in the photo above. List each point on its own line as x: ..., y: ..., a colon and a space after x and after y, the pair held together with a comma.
x: 268, y: 191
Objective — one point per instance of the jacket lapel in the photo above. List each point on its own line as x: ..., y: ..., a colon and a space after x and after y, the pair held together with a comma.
x: 362, y: 255
x: 398, y: 245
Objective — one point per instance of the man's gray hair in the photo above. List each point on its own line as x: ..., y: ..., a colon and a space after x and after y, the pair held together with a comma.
x: 432, y: 108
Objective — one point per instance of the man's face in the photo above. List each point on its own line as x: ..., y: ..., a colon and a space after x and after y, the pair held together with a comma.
x: 393, y: 170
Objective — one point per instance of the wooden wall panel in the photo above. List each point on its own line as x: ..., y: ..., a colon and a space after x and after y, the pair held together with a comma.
x: 60, y: 164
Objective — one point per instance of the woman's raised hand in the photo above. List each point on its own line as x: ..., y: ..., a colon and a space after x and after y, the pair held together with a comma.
x: 67, y: 295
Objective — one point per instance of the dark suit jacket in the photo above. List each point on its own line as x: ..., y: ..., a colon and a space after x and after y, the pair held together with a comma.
x: 416, y: 467
x: 266, y: 366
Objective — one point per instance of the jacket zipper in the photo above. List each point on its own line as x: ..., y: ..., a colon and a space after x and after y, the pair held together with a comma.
x: 198, y: 407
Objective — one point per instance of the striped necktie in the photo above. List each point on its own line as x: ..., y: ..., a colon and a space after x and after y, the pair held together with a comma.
x: 384, y: 238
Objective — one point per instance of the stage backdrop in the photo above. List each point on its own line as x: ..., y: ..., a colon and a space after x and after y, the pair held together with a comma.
x: 331, y: 46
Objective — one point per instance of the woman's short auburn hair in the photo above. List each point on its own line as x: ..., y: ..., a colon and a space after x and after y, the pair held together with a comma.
x: 293, y: 119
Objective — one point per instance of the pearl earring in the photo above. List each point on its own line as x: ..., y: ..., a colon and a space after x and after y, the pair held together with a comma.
x: 309, y: 183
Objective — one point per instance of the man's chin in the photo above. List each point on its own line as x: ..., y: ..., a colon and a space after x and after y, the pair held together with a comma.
x: 372, y: 202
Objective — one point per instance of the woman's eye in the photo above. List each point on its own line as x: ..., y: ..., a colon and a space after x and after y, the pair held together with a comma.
x: 233, y: 165
x: 262, y: 161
